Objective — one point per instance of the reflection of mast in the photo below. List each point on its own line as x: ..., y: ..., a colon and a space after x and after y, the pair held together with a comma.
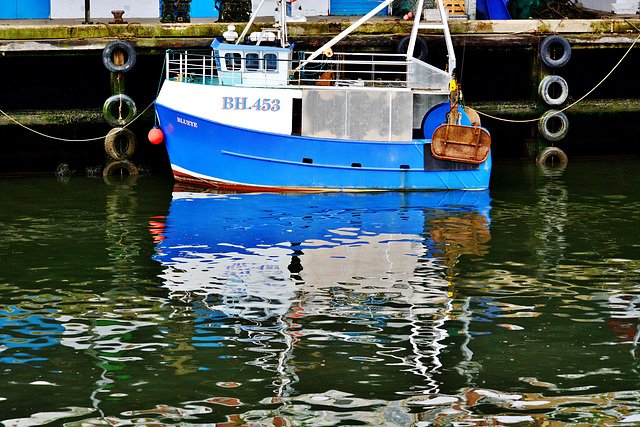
x: 432, y: 350
x: 453, y: 236
x: 286, y: 372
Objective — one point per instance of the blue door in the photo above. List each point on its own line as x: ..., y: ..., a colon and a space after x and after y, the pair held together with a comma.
x: 24, y: 9
x: 355, y: 7
x: 8, y: 9
x: 203, y: 9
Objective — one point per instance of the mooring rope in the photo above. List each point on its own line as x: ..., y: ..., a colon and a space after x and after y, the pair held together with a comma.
x: 66, y: 139
x: 572, y: 104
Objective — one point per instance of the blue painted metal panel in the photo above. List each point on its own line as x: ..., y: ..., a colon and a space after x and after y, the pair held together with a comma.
x: 355, y: 7
x: 203, y: 9
x: 33, y: 9
x: 25, y: 9
x: 8, y: 9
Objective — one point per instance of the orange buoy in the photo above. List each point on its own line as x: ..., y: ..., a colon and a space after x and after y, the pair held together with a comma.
x: 155, y: 136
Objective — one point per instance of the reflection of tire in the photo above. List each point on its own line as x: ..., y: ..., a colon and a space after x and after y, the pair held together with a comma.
x: 122, y: 167
x: 544, y: 125
x: 114, y: 103
x: 120, y: 143
x: 544, y: 89
x: 130, y: 56
x: 551, y: 154
x: 554, y: 42
x: 419, y: 52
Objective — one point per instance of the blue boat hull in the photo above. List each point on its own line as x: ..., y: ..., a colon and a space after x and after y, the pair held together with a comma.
x: 206, y: 152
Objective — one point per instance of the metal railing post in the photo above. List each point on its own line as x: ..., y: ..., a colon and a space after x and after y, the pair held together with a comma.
x: 87, y: 12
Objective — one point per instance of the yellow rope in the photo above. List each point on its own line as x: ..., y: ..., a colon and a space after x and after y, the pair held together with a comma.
x: 574, y: 103
x: 65, y: 139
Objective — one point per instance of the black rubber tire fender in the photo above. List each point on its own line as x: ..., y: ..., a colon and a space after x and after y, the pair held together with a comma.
x: 420, y: 51
x: 544, y: 89
x: 553, y: 42
x: 107, y: 56
x: 120, y: 143
x: 121, y: 165
x: 544, y: 123
x: 552, y: 152
x: 112, y: 103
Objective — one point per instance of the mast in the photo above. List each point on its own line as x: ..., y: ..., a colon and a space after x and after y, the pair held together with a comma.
x: 282, y: 5
x: 344, y: 34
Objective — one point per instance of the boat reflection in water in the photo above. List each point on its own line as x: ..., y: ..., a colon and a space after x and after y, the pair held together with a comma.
x: 334, y: 293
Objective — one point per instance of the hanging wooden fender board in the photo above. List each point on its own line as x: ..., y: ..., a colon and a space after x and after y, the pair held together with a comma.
x: 468, y: 144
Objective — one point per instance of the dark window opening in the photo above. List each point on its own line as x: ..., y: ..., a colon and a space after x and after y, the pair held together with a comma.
x: 271, y: 61
x: 404, y: 167
x: 296, y: 117
x: 253, y: 62
x: 233, y: 61
x: 356, y: 165
x: 307, y: 160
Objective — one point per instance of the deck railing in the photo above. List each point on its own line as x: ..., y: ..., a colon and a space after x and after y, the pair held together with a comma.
x: 338, y: 69
x: 190, y: 66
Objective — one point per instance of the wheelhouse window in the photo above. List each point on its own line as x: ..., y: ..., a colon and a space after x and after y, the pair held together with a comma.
x: 252, y: 62
x: 233, y: 61
x: 271, y: 61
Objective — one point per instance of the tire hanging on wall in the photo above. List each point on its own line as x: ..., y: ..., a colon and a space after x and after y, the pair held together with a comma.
x: 544, y: 89
x: 130, y: 56
x: 115, y: 102
x: 420, y: 51
x: 120, y: 143
x: 550, y: 153
x: 544, y: 125
x: 553, y: 42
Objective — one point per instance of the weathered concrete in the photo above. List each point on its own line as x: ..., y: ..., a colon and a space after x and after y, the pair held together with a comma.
x: 71, y: 36
x: 518, y: 109
x: 53, y: 117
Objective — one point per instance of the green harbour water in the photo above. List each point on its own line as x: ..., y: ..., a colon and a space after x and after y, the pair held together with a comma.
x: 138, y: 302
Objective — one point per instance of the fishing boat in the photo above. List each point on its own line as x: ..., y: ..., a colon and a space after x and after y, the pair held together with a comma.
x: 253, y: 114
